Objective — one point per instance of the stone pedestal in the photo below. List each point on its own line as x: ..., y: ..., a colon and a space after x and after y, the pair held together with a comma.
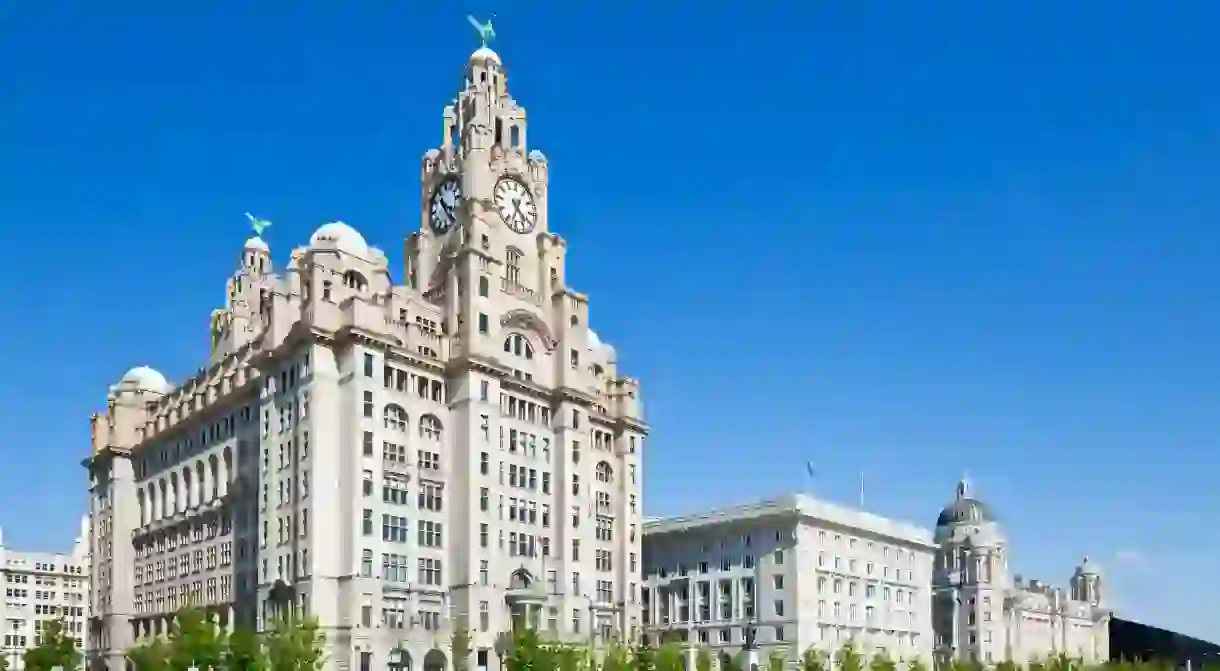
x: 752, y: 660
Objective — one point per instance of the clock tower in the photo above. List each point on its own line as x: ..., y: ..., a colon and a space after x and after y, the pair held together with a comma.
x: 483, y: 220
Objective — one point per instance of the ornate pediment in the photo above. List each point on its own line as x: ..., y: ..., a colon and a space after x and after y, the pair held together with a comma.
x: 524, y: 319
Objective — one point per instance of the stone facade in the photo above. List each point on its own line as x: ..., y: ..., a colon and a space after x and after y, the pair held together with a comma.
x: 981, y: 612
x: 394, y: 459
x: 42, y: 586
x: 804, y: 572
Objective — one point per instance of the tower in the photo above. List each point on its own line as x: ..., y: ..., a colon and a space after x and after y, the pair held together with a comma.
x: 247, y: 300
x: 970, y: 580
x: 1086, y: 583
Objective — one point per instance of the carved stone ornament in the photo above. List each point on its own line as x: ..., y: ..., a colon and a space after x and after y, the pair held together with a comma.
x: 524, y: 319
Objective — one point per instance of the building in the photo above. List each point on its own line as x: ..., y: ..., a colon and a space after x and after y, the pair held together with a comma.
x: 805, y: 573
x: 1133, y: 641
x: 394, y: 459
x: 982, y: 613
x: 43, y: 586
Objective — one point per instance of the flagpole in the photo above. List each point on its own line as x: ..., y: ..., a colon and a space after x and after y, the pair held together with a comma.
x: 861, y: 489
x: 809, y: 472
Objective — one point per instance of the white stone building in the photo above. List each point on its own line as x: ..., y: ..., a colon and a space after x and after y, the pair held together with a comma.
x: 982, y: 613
x: 806, y: 573
x: 42, y: 586
x: 392, y: 458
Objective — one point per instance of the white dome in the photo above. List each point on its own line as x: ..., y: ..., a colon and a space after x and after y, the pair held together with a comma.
x: 594, y: 341
x: 343, y: 237
x: 485, y: 54
x: 147, y: 379
x: 257, y: 243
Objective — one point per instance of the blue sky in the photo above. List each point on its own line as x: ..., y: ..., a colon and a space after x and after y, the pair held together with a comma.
x: 908, y: 239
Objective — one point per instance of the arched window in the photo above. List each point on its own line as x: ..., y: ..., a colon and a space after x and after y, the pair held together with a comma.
x: 518, y: 345
x: 430, y: 428
x: 395, y: 417
x: 604, y: 472
x: 354, y: 280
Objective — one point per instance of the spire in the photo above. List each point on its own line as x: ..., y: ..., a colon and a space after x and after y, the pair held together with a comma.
x: 963, y: 487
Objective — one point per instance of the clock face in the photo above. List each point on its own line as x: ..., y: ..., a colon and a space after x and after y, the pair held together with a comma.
x: 516, y: 205
x: 443, y: 214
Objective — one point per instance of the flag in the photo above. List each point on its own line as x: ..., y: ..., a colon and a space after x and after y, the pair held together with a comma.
x: 809, y: 468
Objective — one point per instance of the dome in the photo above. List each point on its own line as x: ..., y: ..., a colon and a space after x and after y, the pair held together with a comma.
x: 965, y: 509
x: 485, y: 54
x: 147, y: 379
x: 537, y: 156
x: 257, y: 243
x: 343, y: 237
x: 1089, y: 567
x: 594, y: 341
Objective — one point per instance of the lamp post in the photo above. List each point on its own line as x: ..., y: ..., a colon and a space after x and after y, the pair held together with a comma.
x: 751, y: 645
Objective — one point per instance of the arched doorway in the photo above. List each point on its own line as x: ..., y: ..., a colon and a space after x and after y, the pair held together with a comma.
x: 435, y: 660
x: 400, y: 660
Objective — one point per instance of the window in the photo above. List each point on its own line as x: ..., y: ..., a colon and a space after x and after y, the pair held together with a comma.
x: 429, y: 571
x: 512, y: 263
x: 368, y: 365
x: 604, y: 472
x: 430, y: 534
x: 368, y: 404
x: 483, y: 289
x: 395, y: 418
x: 518, y: 345
x: 430, y: 428
x: 484, y: 324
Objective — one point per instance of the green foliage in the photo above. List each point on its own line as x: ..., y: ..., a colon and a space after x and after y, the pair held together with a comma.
x: 1006, y: 665
x: 195, y: 641
x: 459, y: 647
x: 703, y: 660
x: 776, y: 661
x: 294, y: 645
x: 244, y: 653
x: 3, y: 662
x: 882, y: 662
x: 848, y: 658
x: 55, y: 648
x: 814, y: 660
x: 150, y: 656
x: 618, y: 658
x: 669, y: 658
x: 916, y: 664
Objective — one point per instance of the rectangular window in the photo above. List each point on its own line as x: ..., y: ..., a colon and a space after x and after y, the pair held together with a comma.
x: 484, y: 324
x: 368, y: 365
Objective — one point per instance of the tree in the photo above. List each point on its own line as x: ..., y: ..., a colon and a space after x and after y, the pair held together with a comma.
x: 703, y: 660
x: 244, y: 652
x: 195, y: 641
x: 644, y: 658
x: 3, y: 662
x: 617, y: 658
x: 882, y: 662
x: 55, y: 648
x: 1007, y: 665
x: 669, y: 658
x: 295, y: 645
x: 150, y: 656
x: 814, y: 660
x: 849, y: 659
x: 459, y: 646
x: 776, y: 661
x: 916, y: 664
